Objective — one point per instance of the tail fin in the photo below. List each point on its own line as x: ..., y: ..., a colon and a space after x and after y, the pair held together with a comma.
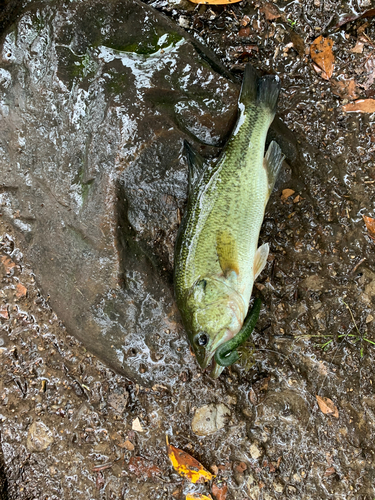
x: 262, y: 91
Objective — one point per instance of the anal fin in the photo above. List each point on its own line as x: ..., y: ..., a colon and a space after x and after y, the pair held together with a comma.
x: 260, y: 259
x: 272, y: 163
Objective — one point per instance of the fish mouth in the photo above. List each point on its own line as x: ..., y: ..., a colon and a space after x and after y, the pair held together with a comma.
x: 216, y: 370
x: 208, y: 355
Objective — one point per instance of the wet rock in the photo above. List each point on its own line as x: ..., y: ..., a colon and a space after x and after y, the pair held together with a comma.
x: 118, y: 400
x: 94, y: 179
x: 39, y: 437
x: 210, y: 418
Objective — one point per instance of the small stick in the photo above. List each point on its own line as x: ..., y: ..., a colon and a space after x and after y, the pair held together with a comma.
x: 357, y: 265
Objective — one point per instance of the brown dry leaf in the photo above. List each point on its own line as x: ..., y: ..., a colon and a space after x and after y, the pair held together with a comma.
x: 286, y: 193
x: 329, y: 471
x: 358, y: 48
x: 270, y: 11
x: 322, y: 55
x: 220, y: 491
x: 143, y: 468
x: 327, y: 406
x: 4, y: 311
x: 370, y: 73
x: 128, y: 445
x: 298, y: 42
x: 20, y: 291
x: 370, y: 224
x: 188, y: 466
x: 360, y: 106
x: 198, y: 496
x: 8, y: 264
x: 346, y: 89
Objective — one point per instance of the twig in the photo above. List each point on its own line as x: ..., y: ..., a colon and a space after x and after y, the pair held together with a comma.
x: 356, y: 267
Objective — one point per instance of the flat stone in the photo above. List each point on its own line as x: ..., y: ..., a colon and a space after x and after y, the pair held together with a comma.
x: 39, y: 437
x: 96, y: 99
x: 210, y: 418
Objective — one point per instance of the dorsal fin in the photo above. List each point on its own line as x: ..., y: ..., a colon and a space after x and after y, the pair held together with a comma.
x: 226, y: 249
x: 196, y: 165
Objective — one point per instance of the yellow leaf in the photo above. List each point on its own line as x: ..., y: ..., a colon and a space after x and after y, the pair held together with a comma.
x: 197, y: 496
x: 188, y: 466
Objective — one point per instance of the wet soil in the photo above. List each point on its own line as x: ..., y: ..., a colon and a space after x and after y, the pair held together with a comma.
x: 312, y: 338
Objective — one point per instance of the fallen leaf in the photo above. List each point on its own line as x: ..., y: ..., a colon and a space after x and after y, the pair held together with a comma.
x: 8, y: 264
x: 348, y: 18
x: 298, y: 42
x: 329, y: 471
x: 346, y: 89
x: 322, y: 55
x: 220, y: 491
x: 188, y: 466
x: 327, y: 406
x: 4, y: 311
x: 270, y: 11
x: 128, y: 445
x: 215, y: 2
x: 240, y: 467
x: 143, y: 468
x: 20, y: 291
x: 197, y: 496
x: 244, y: 32
x: 358, y: 48
x: 297, y: 199
x: 286, y: 193
x: 370, y: 73
x: 136, y: 425
x: 360, y: 106
x: 370, y: 224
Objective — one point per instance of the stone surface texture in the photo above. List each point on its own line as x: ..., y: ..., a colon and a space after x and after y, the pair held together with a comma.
x: 209, y: 419
x: 96, y: 99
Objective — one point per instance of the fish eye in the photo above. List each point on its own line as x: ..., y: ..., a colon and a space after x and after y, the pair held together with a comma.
x: 201, y: 339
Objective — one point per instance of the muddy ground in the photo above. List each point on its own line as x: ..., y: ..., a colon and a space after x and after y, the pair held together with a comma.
x: 69, y: 427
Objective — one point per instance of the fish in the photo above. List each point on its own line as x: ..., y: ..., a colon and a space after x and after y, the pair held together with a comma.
x: 217, y: 258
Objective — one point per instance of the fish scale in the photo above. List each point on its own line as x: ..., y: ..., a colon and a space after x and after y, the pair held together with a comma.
x: 216, y: 256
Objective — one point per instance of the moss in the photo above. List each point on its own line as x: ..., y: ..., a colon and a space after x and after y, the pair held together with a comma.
x: 147, y: 45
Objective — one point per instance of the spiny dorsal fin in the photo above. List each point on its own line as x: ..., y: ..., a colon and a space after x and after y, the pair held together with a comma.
x: 196, y: 165
x: 260, y: 259
x: 272, y: 163
x: 226, y: 249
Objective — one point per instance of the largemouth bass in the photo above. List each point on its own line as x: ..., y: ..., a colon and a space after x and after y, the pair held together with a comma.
x: 216, y: 256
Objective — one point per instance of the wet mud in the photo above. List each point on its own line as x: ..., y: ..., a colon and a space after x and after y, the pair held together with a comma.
x: 67, y: 420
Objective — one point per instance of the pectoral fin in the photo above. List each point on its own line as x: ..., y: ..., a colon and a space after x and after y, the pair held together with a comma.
x: 226, y: 248
x: 260, y: 259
